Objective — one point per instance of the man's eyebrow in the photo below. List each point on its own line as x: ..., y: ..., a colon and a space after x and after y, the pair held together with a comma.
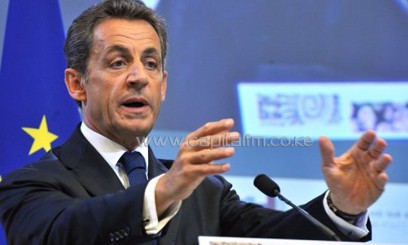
x: 151, y: 51
x: 117, y: 48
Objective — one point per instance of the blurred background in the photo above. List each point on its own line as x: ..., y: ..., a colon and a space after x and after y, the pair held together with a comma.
x: 284, y: 70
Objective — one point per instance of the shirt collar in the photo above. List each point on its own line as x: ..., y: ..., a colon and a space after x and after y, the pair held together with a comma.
x: 110, y: 150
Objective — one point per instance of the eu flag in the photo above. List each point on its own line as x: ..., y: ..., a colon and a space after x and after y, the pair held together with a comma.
x: 36, y: 110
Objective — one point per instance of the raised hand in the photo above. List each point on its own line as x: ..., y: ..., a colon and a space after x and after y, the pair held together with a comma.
x: 357, y: 178
x: 195, y: 161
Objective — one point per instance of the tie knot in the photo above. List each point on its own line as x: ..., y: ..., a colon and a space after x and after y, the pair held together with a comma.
x: 133, y: 160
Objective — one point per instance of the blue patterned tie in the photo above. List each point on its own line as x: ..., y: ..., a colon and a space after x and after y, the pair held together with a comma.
x: 134, y: 165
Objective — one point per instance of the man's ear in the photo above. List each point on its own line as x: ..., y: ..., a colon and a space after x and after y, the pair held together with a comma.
x: 74, y: 86
x: 164, y: 86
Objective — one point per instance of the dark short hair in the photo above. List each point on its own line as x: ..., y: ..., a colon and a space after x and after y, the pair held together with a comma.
x: 78, y: 43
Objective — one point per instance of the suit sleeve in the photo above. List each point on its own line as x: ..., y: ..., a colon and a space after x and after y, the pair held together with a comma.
x: 249, y: 220
x: 39, y: 208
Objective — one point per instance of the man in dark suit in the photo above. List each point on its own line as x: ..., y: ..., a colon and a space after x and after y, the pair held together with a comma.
x: 84, y: 192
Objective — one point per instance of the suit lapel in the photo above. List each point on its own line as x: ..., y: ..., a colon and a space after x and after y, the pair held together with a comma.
x: 88, y: 166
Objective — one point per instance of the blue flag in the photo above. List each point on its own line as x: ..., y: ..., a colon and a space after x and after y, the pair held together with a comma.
x: 36, y: 110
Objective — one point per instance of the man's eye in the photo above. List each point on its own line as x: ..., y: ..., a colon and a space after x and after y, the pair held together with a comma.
x: 151, y: 65
x: 118, y: 64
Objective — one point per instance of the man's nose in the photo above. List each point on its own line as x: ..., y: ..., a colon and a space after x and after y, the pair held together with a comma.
x: 137, y: 75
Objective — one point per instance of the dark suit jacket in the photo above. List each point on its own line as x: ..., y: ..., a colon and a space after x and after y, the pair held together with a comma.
x: 72, y: 196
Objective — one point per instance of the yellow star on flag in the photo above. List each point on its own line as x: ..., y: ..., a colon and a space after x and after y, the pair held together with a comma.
x: 42, y: 137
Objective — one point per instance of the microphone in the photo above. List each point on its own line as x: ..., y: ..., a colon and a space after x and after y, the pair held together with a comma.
x: 268, y: 187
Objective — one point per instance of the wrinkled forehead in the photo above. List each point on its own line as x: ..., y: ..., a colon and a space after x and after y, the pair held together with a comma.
x: 125, y: 30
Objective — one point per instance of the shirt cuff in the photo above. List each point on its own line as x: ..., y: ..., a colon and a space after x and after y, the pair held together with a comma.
x: 151, y: 222
x: 357, y: 231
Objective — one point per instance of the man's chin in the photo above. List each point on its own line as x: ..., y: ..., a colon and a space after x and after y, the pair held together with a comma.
x: 139, y: 129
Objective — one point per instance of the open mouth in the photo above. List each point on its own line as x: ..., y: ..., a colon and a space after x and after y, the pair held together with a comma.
x: 137, y: 104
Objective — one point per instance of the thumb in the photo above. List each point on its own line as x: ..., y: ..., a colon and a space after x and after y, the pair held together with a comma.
x: 326, y: 151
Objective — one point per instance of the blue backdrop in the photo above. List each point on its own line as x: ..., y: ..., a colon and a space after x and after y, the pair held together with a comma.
x: 36, y: 109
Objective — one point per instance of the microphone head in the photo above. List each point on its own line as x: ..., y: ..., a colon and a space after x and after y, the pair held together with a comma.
x: 266, y: 185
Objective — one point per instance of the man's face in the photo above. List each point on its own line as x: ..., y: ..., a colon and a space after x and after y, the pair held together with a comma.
x: 126, y: 82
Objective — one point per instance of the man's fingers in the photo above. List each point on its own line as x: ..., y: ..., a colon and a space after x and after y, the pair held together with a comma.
x: 211, y: 128
x: 326, y: 150
x: 382, y: 179
x: 379, y: 166
x: 376, y: 149
x: 209, y: 155
x: 382, y: 163
x: 209, y: 169
x: 213, y: 141
x: 366, y: 140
